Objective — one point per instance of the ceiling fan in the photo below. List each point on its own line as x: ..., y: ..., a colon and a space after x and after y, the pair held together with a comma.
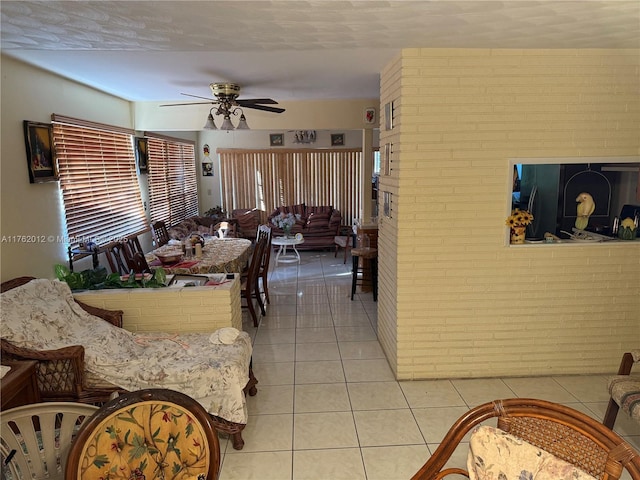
x: 226, y: 103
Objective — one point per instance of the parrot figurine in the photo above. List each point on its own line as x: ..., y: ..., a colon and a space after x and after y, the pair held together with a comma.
x: 585, y: 208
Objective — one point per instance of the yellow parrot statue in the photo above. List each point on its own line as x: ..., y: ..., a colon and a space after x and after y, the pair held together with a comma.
x: 585, y: 208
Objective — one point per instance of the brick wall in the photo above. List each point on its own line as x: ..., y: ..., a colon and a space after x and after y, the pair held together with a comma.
x: 455, y: 299
x: 172, y: 310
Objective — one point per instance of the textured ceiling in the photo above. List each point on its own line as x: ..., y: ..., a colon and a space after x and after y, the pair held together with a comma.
x: 154, y: 50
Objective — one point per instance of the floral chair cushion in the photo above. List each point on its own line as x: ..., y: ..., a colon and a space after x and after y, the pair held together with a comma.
x: 494, y: 453
x: 151, y: 439
x: 42, y: 315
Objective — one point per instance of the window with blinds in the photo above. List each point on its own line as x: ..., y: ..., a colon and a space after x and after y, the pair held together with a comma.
x: 173, y: 190
x: 267, y: 179
x: 98, y: 179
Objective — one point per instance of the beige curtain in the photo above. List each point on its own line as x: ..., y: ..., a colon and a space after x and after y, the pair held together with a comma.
x: 267, y: 179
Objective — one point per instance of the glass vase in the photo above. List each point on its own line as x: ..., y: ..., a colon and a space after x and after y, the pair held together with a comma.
x: 287, y: 230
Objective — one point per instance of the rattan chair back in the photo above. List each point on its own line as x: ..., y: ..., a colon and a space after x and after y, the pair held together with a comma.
x: 562, y: 431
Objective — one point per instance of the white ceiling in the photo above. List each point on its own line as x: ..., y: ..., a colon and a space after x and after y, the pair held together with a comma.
x: 287, y: 50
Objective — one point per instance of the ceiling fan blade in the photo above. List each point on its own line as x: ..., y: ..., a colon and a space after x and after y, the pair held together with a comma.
x: 268, y: 101
x: 190, y: 103
x: 263, y: 107
x: 195, y: 96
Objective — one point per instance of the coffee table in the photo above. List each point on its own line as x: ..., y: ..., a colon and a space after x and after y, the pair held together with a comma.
x: 283, y: 243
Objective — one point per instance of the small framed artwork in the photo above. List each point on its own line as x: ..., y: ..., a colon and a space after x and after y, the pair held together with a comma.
x: 142, y: 154
x: 207, y: 169
x: 369, y: 115
x: 337, y: 139
x: 38, y: 139
x: 276, y: 139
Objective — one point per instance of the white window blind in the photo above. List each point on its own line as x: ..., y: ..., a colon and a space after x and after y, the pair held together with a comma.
x: 173, y: 190
x: 267, y: 179
x: 98, y: 179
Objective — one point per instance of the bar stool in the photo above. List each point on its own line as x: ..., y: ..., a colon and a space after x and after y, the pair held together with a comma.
x: 370, y: 254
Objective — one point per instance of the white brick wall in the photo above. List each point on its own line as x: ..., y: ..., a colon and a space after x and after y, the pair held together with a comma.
x: 172, y: 310
x: 454, y: 300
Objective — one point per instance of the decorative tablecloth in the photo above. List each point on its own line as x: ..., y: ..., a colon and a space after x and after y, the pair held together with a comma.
x: 219, y: 255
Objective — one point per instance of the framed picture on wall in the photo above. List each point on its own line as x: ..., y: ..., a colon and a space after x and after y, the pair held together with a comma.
x: 276, y: 139
x: 369, y: 115
x: 38, y: 139
x: 142, y: 154
x: 207, y: 169
x: 337, y: 139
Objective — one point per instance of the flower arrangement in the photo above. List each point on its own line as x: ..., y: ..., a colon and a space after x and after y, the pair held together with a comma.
x: 285, y: 220
x: 519, y: 218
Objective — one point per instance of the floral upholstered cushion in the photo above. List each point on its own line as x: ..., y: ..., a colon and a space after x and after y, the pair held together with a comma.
x: 42, y: 315
x: 496, y: 454
x: 154, y: 439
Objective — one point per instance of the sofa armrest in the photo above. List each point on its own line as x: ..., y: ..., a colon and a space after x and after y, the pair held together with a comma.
x: 114, y: 317
x: 60, y: 373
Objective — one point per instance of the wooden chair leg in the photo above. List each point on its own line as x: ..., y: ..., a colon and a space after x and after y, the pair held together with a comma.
x: 611, y: 414
x: 354, y: 275
x: 265, y: 288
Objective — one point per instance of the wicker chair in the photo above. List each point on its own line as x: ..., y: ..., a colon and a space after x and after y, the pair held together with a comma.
x: 561, y: 431
x: 61, y: 373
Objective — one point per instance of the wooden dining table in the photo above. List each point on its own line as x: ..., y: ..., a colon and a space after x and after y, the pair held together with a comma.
x: 219, y: 255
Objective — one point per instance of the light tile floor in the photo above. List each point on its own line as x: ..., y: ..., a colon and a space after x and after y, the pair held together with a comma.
x: 328, y: 406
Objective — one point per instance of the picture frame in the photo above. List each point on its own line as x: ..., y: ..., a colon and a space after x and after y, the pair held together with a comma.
x: 207, y: 169
x: 41, y: 159
x: 369, y: 116
x: 142, y: 154
x: 337, y: 139
x: 388, y: 115
x: 276, y: 139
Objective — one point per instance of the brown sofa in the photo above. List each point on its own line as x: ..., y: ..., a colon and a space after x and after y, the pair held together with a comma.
x: 246, y: 222
x: 319, y: 225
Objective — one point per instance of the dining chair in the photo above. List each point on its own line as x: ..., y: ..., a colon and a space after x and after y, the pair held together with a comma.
x: 36, y: 438
x: 264, y: 231
x: 160, y: 433
x: 160, y: 233
x: 249, y: 289
x: 118, y: 258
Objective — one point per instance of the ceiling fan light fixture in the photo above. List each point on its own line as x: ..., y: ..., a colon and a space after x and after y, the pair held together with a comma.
x: 242, y: 124
x: 210, y: 124
x: 226, y: 124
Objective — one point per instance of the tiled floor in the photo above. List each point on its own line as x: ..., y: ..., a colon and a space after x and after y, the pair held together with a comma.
x: 328, y: 407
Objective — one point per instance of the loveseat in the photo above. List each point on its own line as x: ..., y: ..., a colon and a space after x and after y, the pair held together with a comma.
x: 319, y: 225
